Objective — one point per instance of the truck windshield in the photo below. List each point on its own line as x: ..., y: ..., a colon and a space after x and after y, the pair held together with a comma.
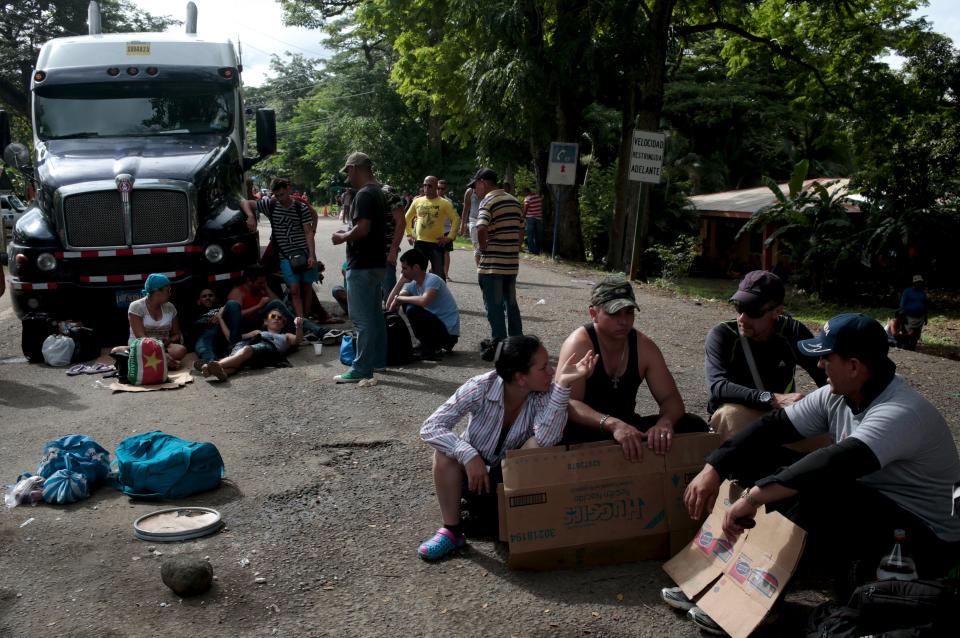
x: 132, y: 109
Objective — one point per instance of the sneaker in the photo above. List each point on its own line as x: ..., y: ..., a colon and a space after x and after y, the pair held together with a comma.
x: 441, y: 544
x: 705, y: 623
x: 349, y: 377
x: 675, y: 597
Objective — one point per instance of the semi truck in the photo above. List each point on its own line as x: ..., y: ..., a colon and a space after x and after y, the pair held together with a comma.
x: 138, y: 164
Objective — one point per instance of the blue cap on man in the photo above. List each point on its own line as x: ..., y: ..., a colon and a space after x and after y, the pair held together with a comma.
x: 852, y: 335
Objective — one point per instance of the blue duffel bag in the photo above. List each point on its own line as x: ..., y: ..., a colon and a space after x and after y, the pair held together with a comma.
x: 159, y: 465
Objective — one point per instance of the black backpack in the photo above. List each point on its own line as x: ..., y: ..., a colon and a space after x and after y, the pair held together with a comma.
x: 399, y: 343
x: 36, y: 327
x: 888, y: 608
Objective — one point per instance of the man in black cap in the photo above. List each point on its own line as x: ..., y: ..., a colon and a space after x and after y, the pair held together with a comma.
x: 603, y: 406
x: 893, y: 464
x: 750, y: 361
x: 499, y: 235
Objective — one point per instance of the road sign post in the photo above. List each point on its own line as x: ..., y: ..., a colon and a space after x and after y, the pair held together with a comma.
x: 561, y: 171
x: 646, y: 163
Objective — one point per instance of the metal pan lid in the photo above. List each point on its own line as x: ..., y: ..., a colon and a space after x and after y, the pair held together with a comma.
x: 177, y: 524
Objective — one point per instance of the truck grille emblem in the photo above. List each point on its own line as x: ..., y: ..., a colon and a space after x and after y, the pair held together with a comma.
x: 124, y: 185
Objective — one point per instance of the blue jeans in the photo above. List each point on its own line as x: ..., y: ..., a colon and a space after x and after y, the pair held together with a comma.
x: 500, y: 298
x: 365, y: 300
x: 534, y: 229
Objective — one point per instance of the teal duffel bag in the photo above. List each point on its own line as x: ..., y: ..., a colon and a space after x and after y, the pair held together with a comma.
x: 161, y: 466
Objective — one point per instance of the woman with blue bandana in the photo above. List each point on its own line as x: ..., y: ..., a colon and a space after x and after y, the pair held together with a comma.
x: 155, y: 317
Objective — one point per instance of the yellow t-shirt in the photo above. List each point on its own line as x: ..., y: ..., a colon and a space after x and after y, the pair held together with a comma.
x: 430, y: 214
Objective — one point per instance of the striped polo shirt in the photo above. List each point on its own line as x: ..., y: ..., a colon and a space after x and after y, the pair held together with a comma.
x: 534, y: 205
x: 500, y: 214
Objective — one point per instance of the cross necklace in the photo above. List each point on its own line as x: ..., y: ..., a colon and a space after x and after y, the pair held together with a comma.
x: 615, y: 379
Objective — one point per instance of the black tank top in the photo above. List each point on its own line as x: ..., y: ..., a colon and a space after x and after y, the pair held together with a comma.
x: 600, y: 393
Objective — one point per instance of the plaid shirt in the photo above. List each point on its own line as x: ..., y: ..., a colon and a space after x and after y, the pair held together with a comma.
x: 543, y: 415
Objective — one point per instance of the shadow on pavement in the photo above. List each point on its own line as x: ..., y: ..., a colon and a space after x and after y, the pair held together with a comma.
x: 23, y: 396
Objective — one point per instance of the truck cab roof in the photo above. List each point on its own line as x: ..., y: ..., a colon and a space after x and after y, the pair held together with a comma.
x: 136, y: 48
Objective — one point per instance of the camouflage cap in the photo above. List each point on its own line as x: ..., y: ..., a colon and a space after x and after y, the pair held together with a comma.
x: 613, y: 294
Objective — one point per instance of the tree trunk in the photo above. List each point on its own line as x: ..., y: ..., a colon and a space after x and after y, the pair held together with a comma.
x: 641, y: 110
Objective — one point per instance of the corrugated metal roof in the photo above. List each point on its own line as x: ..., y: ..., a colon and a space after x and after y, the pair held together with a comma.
x: 746, y: 202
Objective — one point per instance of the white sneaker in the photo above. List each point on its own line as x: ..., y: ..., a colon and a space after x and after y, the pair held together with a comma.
x: 705, y: 623
x: 675, y: 597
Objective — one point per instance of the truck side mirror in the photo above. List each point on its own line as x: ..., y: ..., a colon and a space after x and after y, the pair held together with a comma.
x: 4, y: 131
x: 266, y: 132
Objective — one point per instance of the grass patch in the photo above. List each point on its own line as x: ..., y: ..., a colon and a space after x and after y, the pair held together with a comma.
x: 941, y: 336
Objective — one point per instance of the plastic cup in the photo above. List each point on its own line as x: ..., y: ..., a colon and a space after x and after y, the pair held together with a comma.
x: 318, y: 349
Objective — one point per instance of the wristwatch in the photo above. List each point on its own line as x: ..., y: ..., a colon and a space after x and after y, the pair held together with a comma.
x: 766, y: 397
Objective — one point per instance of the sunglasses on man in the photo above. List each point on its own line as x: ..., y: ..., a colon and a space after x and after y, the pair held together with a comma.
x: 752, y: 310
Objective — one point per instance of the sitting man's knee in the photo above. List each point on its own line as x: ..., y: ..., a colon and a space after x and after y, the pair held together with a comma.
x: 731, y: 418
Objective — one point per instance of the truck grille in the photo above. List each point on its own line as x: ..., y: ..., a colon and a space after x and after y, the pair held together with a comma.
x: 96, y: 219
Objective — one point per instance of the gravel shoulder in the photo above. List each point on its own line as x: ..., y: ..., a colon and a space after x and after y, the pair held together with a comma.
x: 328, y: 493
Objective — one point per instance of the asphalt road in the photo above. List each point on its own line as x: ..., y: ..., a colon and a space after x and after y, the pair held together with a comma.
x: 328, y: 494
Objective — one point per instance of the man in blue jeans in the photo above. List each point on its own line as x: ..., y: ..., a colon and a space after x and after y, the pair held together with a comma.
x: 499, y: 234
x: 366, y: 259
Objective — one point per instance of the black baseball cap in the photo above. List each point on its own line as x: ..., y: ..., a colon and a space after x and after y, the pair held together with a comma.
x: 486, y: 174
x: 759, y: 287
x: 852, y: 335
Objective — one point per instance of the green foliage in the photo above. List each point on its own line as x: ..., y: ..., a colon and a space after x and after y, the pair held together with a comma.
x: 596, y: 207
x: 677, y: 259
x: 811, y: 222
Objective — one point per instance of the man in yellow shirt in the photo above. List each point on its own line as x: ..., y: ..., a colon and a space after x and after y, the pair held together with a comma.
x: 430, y: 210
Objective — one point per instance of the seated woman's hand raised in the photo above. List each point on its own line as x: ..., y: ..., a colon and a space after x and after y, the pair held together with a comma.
x: 572, y: 370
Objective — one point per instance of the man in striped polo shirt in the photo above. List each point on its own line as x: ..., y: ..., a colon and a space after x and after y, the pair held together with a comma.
x: 499, y: 234
x: 533, y: 214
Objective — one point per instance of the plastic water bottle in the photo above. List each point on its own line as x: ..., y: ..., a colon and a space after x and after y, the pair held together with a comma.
x: 898, y: 565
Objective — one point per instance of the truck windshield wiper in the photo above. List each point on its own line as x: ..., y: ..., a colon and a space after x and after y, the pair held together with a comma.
x: 73, y: 136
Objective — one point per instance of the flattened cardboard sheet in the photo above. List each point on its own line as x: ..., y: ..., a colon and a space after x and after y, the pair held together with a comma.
x: 741, y: 580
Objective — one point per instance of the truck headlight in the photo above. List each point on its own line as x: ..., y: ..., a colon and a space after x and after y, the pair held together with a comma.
x: 213, y: 253
x: 46, y: 262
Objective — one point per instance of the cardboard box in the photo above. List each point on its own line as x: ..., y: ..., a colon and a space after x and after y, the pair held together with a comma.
x: 741, y: 580
x: 588, y: 505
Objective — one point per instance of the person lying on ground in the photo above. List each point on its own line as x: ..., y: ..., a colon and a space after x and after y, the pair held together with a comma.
x: 750, y: 362
x: 154, y: 316
x: 893, y: 463
x: 258, y: 348
x: 514, y: 406
x: 603, y: 405
x: 429, y: 305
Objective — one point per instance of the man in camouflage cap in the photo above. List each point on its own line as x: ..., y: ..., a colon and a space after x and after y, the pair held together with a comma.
x: 603, y: 406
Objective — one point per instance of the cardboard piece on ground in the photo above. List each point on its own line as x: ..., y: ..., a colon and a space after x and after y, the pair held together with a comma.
x: 588, y: 505
x: 747, y: 577
x: 175, y: 378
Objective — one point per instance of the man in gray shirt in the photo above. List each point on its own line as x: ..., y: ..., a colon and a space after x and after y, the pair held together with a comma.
x: 893, y: 463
